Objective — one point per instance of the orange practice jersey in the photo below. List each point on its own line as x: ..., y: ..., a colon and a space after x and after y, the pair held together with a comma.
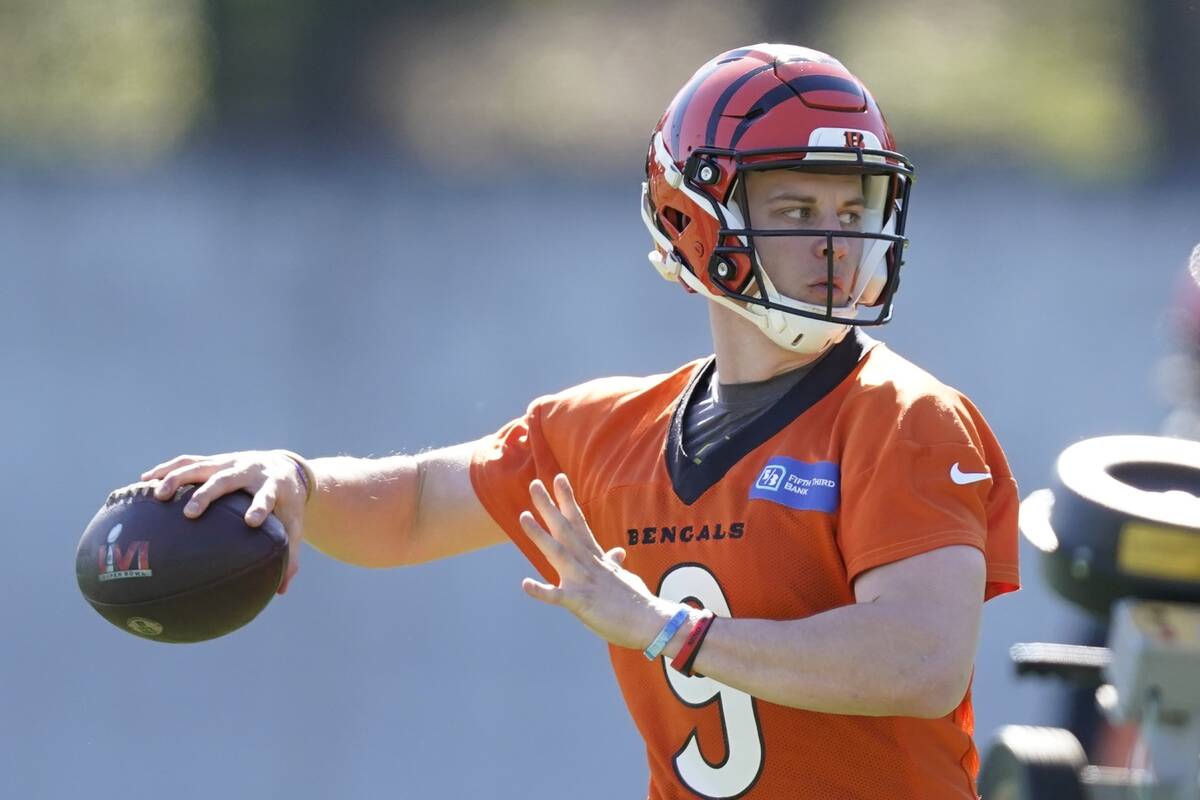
x: 866, y: 461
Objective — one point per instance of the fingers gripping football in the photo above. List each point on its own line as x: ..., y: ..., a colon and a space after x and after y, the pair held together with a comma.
x: 264, y: 502
x: 183, y: 470
x: 179, y: 461
x: 269, y: 476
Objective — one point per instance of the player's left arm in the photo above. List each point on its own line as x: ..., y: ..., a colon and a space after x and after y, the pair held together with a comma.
x: 905, y: 648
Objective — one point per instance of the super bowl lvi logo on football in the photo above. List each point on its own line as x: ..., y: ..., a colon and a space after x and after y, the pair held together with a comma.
x: 116, y: 564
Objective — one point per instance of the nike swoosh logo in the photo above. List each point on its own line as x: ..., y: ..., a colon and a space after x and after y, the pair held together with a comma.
x: 963, y: 478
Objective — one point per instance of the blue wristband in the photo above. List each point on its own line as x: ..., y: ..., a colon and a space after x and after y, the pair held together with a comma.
x: 656, y: 647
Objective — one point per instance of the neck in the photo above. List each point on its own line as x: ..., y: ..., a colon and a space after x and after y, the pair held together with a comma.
x: 744, y: 354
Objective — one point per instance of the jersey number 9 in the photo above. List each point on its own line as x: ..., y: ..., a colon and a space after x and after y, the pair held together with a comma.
x: 743, y: 739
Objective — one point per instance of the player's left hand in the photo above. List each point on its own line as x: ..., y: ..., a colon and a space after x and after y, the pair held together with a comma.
x: 593, y: 585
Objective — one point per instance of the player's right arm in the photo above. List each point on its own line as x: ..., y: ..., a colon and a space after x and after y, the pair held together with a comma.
x: 381, y: 512
x: 398, y: 510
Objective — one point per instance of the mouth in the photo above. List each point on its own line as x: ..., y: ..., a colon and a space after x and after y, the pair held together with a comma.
x: 823, y: 286
x: 820, y: 294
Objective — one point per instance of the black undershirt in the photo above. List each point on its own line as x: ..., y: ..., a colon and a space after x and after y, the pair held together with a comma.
x: 719, y: 411
x: 691, y: 480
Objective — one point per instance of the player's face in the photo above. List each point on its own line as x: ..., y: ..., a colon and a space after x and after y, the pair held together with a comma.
x: 798, y: 265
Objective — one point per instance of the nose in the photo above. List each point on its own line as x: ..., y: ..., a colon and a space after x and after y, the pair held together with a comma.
x: 821, y: 246
x: 829, y: 221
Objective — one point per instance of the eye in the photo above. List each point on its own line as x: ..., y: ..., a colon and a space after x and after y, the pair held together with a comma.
x: 800, y: 214
x: 850, y: 218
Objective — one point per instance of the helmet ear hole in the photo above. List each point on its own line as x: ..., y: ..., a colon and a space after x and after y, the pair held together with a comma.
x: 676, y: 220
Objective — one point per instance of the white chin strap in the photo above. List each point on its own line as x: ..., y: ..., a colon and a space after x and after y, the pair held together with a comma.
x: 789, y: 331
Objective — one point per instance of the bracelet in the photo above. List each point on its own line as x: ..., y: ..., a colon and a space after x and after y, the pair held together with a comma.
x: 307, y: 479
x: 656, y: 647
x: 686, y: 657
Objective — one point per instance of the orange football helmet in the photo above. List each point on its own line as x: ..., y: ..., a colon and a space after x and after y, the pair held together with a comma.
x: 769, y: 107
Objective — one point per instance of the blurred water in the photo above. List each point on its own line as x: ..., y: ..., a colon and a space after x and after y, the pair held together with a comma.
x: 354, y: 307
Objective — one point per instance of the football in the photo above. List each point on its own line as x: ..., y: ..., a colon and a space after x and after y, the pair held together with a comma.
x: 157, y: 574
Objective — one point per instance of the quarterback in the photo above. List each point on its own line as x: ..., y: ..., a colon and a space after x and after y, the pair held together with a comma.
x: 787, y: 545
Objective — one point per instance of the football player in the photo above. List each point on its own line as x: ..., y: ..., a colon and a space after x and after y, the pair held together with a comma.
x: 787, y: 545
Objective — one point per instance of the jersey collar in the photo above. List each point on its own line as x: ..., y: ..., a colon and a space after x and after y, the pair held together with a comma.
x: 691, y: 480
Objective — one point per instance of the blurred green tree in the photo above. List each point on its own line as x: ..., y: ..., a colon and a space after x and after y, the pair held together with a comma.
x: 295, y: 68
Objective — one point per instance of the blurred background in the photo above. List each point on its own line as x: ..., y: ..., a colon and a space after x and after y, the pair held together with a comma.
x: 370, y: 227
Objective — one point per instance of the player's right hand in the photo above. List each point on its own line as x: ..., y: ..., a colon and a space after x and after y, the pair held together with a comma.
x: 269, y: 475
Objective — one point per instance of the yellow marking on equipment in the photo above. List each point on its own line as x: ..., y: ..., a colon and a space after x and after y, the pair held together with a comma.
x: 1153, y: 551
